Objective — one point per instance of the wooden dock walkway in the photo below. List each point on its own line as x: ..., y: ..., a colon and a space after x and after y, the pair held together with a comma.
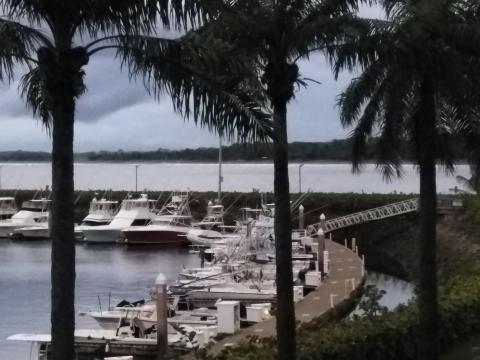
x: 346, y: 274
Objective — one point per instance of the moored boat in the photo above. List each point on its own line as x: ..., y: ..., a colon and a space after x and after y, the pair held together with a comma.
x: 133, y: 212
x: 169, y: 227
x: 101, y: 212
x: 32, y: 213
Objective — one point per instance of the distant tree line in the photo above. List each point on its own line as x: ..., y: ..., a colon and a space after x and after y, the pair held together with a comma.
x: 335, y: 150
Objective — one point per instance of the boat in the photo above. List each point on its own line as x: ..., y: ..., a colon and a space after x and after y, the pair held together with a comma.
x: 214, y: 218
x: 101, y: 212
x: 94, y: 343
x: 41, y: 231
x: 133, y: 213
x: 32, y: 213
x: 8, y: 207
x: 169, y: 227
x: 233, y: 292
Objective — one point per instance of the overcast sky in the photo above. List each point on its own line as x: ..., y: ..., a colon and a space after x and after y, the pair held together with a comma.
x: 116, y: 113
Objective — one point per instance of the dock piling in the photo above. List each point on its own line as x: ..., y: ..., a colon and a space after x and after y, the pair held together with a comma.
x: 162, y: 331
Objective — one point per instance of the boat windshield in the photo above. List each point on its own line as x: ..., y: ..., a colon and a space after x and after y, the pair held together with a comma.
x: 7, y: 203
x: 36, y: 205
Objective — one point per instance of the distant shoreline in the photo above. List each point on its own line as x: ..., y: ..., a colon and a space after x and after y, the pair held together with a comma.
x: 270, y: 162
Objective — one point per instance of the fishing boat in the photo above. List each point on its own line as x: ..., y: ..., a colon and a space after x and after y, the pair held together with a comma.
x: 169, y: 227
x: 133, y: 213
x: 101, y: 212
x: 32, y: 213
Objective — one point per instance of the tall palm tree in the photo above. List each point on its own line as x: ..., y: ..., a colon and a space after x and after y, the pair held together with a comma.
x: 418, y: 74
x: 277, y: 34
x: 56, y: 80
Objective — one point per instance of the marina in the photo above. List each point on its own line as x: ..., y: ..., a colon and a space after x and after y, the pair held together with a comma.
x: 122, y: 272
x: 234, y: 284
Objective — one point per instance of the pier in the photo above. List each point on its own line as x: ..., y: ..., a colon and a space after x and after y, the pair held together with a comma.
x: 346, y: 274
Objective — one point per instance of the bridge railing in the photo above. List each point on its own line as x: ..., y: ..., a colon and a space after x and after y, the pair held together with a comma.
x: 382, y: 212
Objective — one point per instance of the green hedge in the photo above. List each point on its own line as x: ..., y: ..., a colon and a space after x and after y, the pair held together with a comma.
x: 388, y: 336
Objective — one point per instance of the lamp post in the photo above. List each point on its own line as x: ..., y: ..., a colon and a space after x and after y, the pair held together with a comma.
x: 1, y: 176
x: 300, y: 178
x: 220, y: 177
x: 162, y: 331
x: 136, y: 177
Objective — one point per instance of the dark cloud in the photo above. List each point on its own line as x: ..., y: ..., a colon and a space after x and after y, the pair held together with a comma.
x: 109, y: 90
x: 117, y: 113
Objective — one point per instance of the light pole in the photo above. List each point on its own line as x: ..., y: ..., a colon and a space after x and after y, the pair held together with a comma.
x: 1, y: 176
x: 136, y: 177
x: 220, y: 177
x: 300, y: 178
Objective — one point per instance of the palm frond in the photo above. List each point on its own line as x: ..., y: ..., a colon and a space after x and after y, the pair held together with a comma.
x: 221, y: 95
x: 17, y: 45
x: 33, y: 91
x: 353, y: 99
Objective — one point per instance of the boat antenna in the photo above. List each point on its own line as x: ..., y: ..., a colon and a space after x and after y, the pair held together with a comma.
x: 78, y: 198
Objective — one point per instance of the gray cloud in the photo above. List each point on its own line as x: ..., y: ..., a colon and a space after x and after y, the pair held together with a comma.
x: 116, y: 113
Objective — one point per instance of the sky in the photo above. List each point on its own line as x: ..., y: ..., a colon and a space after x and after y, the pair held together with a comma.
x: 117, y: 113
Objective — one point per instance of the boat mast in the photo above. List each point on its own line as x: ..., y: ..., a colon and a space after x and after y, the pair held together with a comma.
x: 220, y: 177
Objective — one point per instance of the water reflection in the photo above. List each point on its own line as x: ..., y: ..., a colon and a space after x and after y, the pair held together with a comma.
x: 396, y: 290
x: 126, y: 273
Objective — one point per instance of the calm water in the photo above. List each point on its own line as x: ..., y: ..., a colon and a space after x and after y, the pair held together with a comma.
x: 25, y: 284
x: 396, y: 291
x: 124, y: 272
x: 204, y: 177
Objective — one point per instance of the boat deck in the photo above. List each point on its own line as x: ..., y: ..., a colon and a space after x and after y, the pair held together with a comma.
x: 345, y: 265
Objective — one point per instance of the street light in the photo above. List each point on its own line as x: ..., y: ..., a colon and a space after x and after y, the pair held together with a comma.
x: 300, y: 178
x: 1, y: 176
x: 136, y: 177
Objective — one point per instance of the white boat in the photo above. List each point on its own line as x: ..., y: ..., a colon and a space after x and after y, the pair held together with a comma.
x: 119, y: 342
x: 101, y: 212
x: 169, y: 227
x: 32, y: 213
x: 237, y: 292
x: 8, y: 207
x: 214, y: 218
x: 133, y: 212
x: 41, y: 231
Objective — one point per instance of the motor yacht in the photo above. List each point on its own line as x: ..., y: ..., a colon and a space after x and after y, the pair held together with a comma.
x: 101, y: 212
x: 32, y: 213
x: 169, y: 227
x: 133, y: 213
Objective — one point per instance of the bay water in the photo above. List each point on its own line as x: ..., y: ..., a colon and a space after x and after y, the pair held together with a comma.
x: 317, y: 177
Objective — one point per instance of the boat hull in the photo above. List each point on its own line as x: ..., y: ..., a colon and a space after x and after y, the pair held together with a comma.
x: 102, y: 236
x: 34, y: 233
x: 156, y: 237
x: 205, y: 298
x: 6, y: 230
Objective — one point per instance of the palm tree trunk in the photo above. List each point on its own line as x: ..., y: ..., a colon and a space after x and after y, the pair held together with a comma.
x: 283, y: 236
x: 428, y: 292
x: 62, y: 225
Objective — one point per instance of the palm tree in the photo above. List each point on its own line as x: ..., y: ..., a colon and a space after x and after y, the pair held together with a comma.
x: 277, y: 34
x: 55, y: 81
x: 418, y: 77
